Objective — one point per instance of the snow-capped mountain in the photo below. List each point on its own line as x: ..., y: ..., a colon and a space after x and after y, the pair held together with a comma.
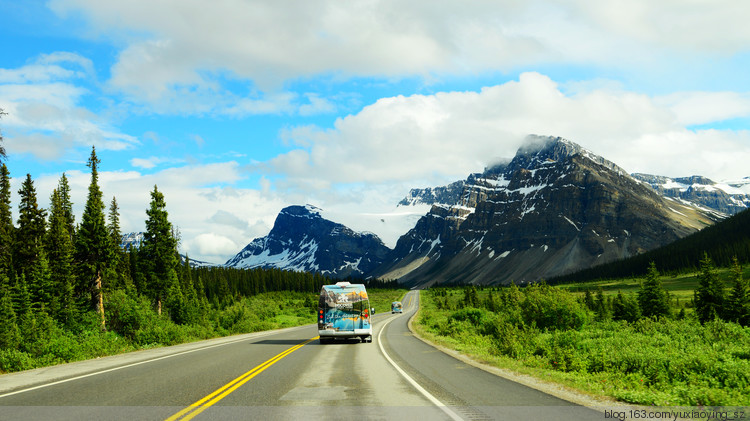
x: 131, y: 239
x: 302, y: 240
x: 728, y: 197
x: 135, y: 239
x: 555, y: 208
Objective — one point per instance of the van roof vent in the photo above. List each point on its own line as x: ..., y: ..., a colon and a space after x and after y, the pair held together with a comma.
x: 343, y: 284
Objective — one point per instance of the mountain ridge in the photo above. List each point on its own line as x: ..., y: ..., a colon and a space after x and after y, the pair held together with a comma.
x: 553, y: 208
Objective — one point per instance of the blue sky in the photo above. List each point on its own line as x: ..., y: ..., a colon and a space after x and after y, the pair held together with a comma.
x: 236, y: 109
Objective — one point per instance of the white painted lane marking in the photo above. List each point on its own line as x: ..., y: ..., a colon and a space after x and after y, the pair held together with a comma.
x: 413, y: 382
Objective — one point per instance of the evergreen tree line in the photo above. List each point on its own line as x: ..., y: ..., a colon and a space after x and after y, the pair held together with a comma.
x: 711, y: 300
x: 722, y: 242
x: 55, y: 270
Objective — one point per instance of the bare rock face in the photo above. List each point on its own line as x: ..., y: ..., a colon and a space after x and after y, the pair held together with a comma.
x: 553, y: 209
x: 302, y: 240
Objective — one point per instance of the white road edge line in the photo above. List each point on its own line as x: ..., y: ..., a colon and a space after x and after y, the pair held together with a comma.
x: 413, y: 382
x: 96, y: 373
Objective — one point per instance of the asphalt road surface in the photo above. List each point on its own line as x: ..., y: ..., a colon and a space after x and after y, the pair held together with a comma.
x: 280, y: 375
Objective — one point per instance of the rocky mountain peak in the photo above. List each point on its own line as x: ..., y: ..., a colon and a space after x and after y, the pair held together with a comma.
x: 302, y: 240
x: 554, y: 208
x: 537, y: 150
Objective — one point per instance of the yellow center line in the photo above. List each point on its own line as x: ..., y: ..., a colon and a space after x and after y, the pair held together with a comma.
x: 222, y: 392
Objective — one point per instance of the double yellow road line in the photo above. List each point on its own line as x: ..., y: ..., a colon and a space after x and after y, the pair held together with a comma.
x: 191, y: 411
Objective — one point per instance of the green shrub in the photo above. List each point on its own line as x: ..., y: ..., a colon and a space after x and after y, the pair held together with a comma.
x: 15, y: 360
x: 551, y: 308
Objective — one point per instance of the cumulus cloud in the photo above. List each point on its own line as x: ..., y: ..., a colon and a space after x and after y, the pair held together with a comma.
x: 451, y: 134
x: 184, y: 49
x: 215, y: 220
x: 46, y: 116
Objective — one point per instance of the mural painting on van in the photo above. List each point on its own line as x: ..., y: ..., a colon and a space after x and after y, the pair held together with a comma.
x: 344, y: 309
x: 344, y: 312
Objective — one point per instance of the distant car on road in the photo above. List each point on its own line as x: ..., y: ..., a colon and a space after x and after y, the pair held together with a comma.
x: 396, y: 307
x: 344, y: 312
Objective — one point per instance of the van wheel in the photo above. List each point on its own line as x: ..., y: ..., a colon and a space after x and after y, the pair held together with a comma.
x: 325, y: 340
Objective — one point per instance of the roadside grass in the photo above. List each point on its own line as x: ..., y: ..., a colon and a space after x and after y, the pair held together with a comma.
x: 133, y: 324
x: 665, y: 363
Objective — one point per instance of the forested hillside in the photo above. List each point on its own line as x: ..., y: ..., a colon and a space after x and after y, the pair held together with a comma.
x: 721, y: 242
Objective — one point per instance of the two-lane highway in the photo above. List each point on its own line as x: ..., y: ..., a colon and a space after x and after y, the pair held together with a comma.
x: 285, y: 374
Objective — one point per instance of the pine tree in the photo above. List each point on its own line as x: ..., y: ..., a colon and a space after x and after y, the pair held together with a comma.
x: 92, y: 244
x: 625, y: 308
x: 7, y: 230
x: 66, y: 205
x: 588, y: 300
x: 31, y: 259
x: 738, y: 305
x: 709, y: 295
x: 653, y: 299
x: 119, y: 267
x: 157, y: 257
x: 31, y: 227
x: 601, y: 306
x: 60, y: 253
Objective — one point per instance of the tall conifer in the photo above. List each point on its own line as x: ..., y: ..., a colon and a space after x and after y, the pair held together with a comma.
x: 653, y: 299
x: 30, y: 259
x: 6, y: 229
x: 738, y: 305
x: 92, y: 243
x: 158, y: 257
x: 60, y: 253
x: 119, y: 269
x: 709, y: 295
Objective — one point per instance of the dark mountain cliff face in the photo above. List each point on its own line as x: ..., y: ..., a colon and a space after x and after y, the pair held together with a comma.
x: 302, y: 240
x: 554, y: 208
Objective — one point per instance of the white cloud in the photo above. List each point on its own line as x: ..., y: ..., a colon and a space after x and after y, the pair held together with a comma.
x: 696, y: 108
x: 182, y: 49
x: 211, y: 245
x: 449, y: 135
x: 45, y: 113
x: 214, y: 222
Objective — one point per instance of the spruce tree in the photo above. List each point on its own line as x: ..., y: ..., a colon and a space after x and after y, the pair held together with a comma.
x: 738, y: 305
x: 602, y: 308
x: 653, y: 299
x: 119, y: 269
x: 60, y: 253
x: 66, y: 205
x: 625, y: 308
x: 31, y: 227
x: 157, y: 257
x: 30, y: 257
x: 709, y: 295
x: 7, y: 229
x: 92, y: 244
